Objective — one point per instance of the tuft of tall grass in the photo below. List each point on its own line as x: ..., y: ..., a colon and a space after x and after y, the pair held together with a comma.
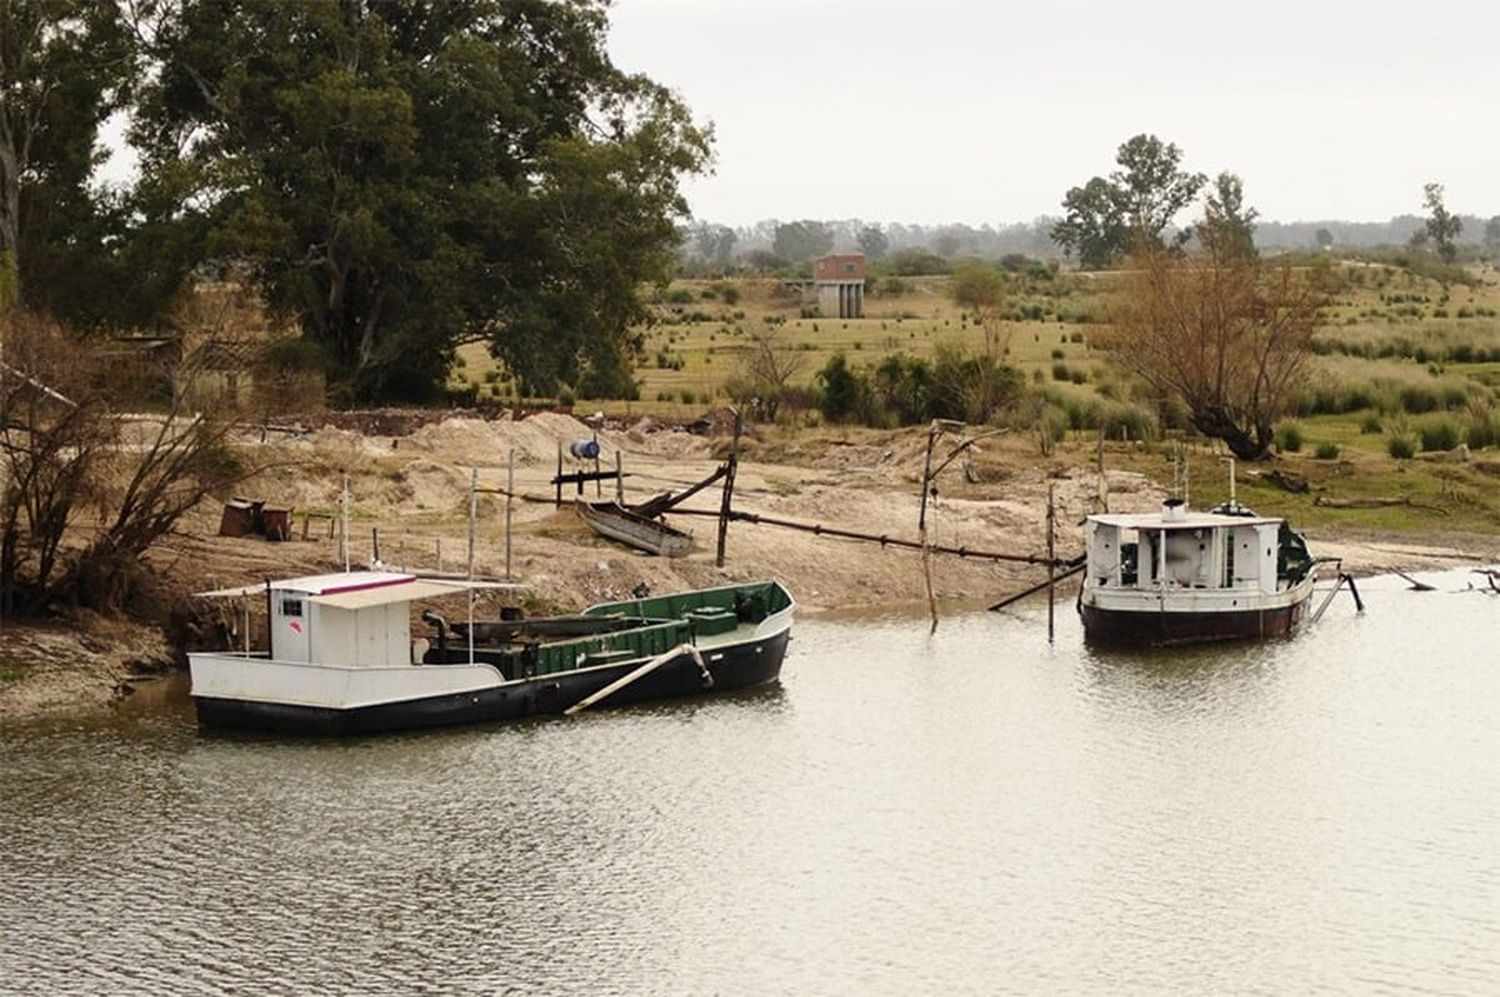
x: 1439, y: 433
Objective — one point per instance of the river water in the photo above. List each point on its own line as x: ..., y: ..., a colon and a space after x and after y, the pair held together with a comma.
x: 969, y: 813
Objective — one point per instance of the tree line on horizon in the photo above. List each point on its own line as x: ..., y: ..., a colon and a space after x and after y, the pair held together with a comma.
x: 776, y: 245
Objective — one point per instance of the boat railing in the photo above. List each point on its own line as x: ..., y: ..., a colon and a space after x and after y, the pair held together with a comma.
x: 241, y: 655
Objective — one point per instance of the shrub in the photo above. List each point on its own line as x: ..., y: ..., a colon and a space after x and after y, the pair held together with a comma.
x: 1439, y: 433
x: 1418, y: 399
x: 1370, y: 424
x: 1401, y: 446
x: 1079, y: 375
x: 1289, y: 437
x: 1059, y: 372
x: 1328, y: 451
x: 1482, y: 431
x: 843, y: 389
x: 1126, y: 420
x: 1058, y: 354
x: 566, y: 397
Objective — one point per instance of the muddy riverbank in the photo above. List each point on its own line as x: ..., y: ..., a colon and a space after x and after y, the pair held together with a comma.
x: 409, y: 494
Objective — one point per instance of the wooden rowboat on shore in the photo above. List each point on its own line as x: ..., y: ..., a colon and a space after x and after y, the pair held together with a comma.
x: 612, y: 520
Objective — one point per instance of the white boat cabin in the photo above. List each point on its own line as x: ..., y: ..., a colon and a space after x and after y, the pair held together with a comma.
x: 1182, y: 549
x: 359, y: 618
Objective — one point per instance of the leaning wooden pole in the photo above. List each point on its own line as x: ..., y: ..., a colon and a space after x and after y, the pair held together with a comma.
x: 932, y: 437
x: 726, y: 504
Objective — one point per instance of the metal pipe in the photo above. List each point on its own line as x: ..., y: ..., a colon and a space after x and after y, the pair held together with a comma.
x: 883, y: 539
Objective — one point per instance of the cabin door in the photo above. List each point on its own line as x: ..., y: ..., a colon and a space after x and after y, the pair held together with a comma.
x: 291, y: 626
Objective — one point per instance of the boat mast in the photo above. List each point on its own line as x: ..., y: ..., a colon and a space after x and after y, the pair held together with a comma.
x: 473, y: 509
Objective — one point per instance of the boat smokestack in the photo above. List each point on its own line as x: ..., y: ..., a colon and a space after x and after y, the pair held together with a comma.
x: 1174, y: 510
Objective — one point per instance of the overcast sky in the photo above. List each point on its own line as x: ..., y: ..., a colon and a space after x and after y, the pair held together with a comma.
x: 974, y: 111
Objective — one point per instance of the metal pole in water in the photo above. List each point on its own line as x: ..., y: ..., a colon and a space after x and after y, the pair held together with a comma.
x: 1051, y: 564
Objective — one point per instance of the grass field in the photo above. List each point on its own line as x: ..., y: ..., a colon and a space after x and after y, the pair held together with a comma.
x: 1401, y: 355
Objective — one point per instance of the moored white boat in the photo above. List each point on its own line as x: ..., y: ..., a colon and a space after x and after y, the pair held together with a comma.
x: 342, y: 658
x: 1179, y: 576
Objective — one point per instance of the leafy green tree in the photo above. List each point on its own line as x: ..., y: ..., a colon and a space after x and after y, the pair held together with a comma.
x: 65, y: 66
x: 1227, y: 223
x: 981, y: 290
x: 843, y: 391
x: 1492, y: 237
x: 1153, y: 187
x: 1323, y: 238
x: 1093, y: 225
x: 1441, y: 226
x: 873, y: 242
x: 1105, y: 218
x: 405, y: 178
x: 798, y: 241
x: 902, y: 387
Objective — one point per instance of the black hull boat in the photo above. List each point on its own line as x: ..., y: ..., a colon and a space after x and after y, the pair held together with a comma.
x: 740, y: 667
x: 653, y: 648
x: 1182, y: 577
x: 1164, y: 629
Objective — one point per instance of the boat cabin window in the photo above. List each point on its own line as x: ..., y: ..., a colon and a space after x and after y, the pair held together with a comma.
x: 291, y: 606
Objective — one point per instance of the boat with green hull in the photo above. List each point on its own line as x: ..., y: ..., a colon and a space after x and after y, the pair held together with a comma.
x: 342, y: 659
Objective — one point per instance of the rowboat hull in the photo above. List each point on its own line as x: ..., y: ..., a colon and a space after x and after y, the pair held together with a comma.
x: 609, y: 519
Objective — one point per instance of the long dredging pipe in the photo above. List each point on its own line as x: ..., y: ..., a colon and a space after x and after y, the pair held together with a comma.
x: 884, y: 540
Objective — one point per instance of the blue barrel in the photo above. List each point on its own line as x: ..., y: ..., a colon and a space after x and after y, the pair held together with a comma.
x: 586, y: 449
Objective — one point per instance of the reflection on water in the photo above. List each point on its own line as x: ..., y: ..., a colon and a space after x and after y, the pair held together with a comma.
x: 971, y: 812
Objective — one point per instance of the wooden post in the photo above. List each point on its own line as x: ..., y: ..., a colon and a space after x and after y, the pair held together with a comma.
x: 510, y: 493
x: 598, y: 484
x: 1051, y: 564
x: 558, y: 479
x: 374, y: 545
x: 932, y: 436
x: 344, y: 523
x: 619, y: 478
x: 726, y: 504
x: 439, y: 545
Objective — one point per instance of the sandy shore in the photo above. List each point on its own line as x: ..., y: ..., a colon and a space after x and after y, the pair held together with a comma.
x: 411, y: 490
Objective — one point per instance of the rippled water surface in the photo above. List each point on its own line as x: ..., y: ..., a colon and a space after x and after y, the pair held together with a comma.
x: 969, y: 813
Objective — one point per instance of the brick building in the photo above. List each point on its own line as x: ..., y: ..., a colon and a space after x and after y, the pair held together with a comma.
x: 839, y: 282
